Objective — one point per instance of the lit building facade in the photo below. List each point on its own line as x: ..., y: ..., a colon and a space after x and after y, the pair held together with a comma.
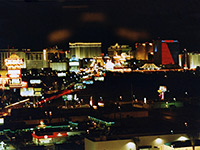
x: 6, y: 53
x: 189, y: 60
x: 40, y: 138
x: 82, y: 50
x: 34, y: 60
x: 55, y: 59
x: 144, y: 50
x: 119, y: 49
x: 166, y: 52
x: 150, y: 142
x: 74, y: 64
x: 31, y: 59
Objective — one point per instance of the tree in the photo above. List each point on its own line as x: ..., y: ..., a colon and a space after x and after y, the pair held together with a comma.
x: 136, y: 140
x: 193, y: 136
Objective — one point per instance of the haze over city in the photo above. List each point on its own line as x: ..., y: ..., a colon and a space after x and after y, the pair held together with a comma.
x: 38, y: 24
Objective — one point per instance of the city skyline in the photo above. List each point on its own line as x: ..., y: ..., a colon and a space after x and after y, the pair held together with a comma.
x: 60, y: 90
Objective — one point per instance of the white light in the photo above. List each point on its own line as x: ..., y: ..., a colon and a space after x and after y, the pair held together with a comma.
x: 2, y: 144
x: 46, y: 136
x: 172, y: 131
x: 130, y: 145
x: 94, y: 106
x: 41, y: 122
x: 44, y: 55
x: 1, y: 120
x: 159, y: 141
x: 59, y: 134
x: 145, y: 100
x: 37, y: 81
x: 182, y: 138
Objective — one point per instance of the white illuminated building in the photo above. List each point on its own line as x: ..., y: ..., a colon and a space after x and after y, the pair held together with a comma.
x: 85, y: 50
x: 194, y: 60
x: 109, y: 65
x: 153, y: 142
x: 74, y: 64
x: 189, y: 60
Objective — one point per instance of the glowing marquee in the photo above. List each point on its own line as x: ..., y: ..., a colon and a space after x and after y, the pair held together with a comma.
x: 14, y: 73
x: 14, y: 62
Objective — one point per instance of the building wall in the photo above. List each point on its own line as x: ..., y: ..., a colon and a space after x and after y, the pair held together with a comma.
x: 158, y: 140
x: 181, y: 61
x: 194, y: 60
x: 32, y: 60
x: 189, y: 60
x: 48, y: 141
x: 84, y: 50
x: 5, y: 53
x: 155, y: 142
x: 142, y: 50
x: 188, y: 148
x: 72, y: 133
x: 58, y: 66
x: 110, y: 145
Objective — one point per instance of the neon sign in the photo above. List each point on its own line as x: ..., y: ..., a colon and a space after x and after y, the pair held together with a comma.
x: 14, y: 73
x: 14, y: 62
x: 169, y: 41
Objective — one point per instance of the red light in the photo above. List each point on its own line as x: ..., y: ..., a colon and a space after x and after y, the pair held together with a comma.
x: 166, y: 55
x: 168, y: 41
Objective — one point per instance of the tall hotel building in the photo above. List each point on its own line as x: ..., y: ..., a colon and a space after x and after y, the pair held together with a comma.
x: 143, y: 50
x: 84, y: 50
x: 189, y: 60
x: 166, y: 52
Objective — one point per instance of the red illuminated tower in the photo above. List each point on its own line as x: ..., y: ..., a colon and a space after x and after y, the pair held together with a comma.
x: 166, y: 52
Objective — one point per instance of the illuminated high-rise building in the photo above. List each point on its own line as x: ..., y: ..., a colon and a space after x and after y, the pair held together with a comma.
x: 189, y: 60
x: 143, y: 50
x: 119, y: 49
x: 55, y: 58
x: 84, y: 50
x: 166, y: 52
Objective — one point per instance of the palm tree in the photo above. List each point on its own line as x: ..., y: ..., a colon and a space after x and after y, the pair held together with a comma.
x: 136, y: 140
x: 193, y: 136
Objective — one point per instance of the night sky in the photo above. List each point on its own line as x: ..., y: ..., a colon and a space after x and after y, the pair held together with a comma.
x: 38, y: 24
